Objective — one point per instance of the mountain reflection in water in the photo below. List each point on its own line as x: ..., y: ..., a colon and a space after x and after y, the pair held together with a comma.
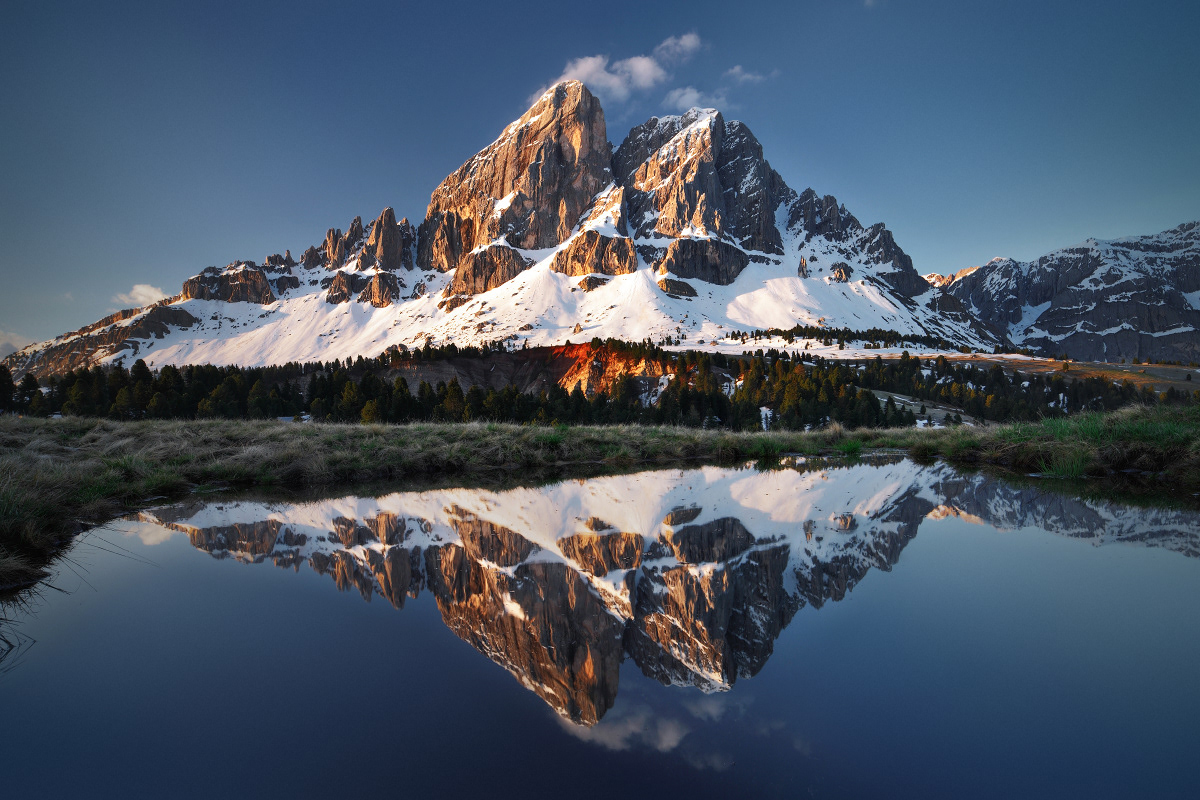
x: 692, y: 574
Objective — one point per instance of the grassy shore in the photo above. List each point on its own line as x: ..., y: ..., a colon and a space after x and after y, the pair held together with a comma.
x: 59, y: 476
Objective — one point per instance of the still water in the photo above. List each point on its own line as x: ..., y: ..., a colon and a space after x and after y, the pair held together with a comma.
x: 879, y: 629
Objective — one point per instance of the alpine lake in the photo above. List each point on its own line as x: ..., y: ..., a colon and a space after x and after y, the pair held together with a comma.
x: 830, y: 629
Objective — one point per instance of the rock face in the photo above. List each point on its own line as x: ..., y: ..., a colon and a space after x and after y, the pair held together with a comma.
x: 486, y: 269
x: 676, y: 288
x: 1101, y: 301
x: 592, y: 252
x: 697, y: 174
x: 527, y: 189
x: 381, y: 291
x: 841, y: 272
x: 704, y: 259
x: 391, y: 244
x: 241, y: 282
x: 343, y: 286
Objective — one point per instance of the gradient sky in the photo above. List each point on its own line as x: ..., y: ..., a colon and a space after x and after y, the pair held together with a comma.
x: 140, y: 143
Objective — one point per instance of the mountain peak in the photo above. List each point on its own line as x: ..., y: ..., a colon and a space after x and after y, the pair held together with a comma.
x: 526, y: 190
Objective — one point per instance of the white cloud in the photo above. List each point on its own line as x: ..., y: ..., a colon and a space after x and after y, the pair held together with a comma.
x: 615, y: 81
x: 12, y: 342
x: 142, y: 294
x: 678, y: 49
x: 685, y: 97
x: 740, y: 75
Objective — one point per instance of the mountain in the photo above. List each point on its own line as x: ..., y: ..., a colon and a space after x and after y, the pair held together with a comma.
x: 1098, y: 301
x: 548, y: 234
x: 691, y: 574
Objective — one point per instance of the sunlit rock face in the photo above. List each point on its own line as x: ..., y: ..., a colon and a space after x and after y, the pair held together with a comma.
x: 692, y: 575
x: 527, y: 191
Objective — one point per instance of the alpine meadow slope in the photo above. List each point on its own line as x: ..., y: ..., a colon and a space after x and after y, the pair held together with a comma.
x: 683, y: 234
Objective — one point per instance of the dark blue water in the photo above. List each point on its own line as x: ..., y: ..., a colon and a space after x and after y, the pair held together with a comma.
x: 979, y: 640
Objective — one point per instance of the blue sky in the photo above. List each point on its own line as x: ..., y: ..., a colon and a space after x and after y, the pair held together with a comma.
x: 142, y: 142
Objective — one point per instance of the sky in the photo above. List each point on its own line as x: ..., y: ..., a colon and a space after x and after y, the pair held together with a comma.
x: 140, y: 143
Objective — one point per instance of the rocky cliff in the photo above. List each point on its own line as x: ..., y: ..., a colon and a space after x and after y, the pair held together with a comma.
x: 1100, y: 301
x: 526, y: 190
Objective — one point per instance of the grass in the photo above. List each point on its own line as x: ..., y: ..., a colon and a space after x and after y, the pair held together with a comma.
x: 59, y: 476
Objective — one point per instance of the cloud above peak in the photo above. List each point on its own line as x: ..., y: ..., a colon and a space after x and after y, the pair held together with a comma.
x: 685, y: 97
x: 677, y: 49
x: 142, y: 294
x: 616, y: 81
x: 741, y: 75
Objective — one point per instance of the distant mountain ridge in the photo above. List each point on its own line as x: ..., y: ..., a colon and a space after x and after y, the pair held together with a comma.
x: 1137, y: 297
x: 684, y: 232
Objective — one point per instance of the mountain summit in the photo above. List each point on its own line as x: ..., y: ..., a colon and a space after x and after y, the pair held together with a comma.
x: 683, y: 233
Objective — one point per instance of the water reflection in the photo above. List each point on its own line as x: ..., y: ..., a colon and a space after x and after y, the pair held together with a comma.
x: 692, y: 574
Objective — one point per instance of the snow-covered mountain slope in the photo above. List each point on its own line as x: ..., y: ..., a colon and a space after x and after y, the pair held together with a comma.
x: 692, y: 574
x: 545, y: 236
x: 1101, y: 300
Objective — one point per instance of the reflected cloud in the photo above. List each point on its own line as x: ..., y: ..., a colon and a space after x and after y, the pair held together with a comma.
x: 148, y: 534
x: 634, y: 726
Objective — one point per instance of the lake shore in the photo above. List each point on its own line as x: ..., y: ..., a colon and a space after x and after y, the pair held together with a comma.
x: 62, y: 476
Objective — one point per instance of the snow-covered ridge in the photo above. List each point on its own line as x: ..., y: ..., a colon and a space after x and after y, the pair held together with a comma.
x: 1099, y: 300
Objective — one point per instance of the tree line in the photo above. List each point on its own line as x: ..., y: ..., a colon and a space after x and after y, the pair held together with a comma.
x: 778, y: 389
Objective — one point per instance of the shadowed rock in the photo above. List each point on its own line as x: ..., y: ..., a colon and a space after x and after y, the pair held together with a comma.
x: 238, y: 283
x: 486, y: 269
x: 381, y: 291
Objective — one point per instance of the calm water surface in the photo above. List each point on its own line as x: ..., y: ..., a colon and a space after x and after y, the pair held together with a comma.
x: 881, y: 629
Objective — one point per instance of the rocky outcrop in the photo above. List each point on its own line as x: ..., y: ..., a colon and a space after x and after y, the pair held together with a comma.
x: 334, y: 250
x: 840, y: 272
x: 718, y: 540
x: 703, y: 259
x: 591, y: 252
x: 821, y: 216
x: 312, y: 258
x: 696, y: 174
x: 390, y: 244
x: 529, y: 188
x: 676, y: 288
x: 343, y: 286
x: 604, y: 552
x: 483, y: 270
x: 242, y: 282
x: 381, y: 291
x: 282, y: 262
x: 1101, y: 301
x: 484, y: 540
x: 338, y: 247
